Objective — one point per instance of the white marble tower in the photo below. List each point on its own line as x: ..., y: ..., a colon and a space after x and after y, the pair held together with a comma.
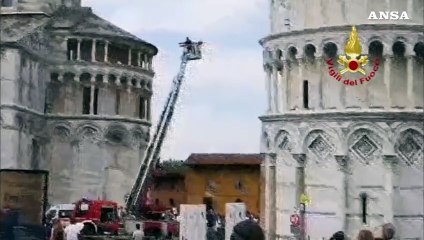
x: 357, y: 151
x: 75, y: 98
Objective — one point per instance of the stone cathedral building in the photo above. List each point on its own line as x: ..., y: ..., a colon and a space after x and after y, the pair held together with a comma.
x: 356, y: 151
x: 75, y: 98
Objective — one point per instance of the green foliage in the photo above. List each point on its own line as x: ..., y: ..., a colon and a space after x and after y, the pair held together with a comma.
x: 173, y: 166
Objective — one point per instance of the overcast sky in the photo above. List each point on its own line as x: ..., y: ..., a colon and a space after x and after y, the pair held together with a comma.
x: 224, y: 93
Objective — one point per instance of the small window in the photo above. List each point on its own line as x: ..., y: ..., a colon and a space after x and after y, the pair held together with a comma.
x: 72, y: 49
x: 238, y: 185
x: 86, y: 100
x: 95, y: 103
x: 6, y: 3
x: 305, y: 94
x: 364, y: 199
x: 171, y: 202
x: 117, y: 102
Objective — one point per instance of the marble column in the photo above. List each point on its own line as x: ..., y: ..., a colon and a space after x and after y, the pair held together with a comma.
x: 148, y: 109
x: 390, y: 162
x: 151, y: 63
x: 78, y: 49
x: 146, y: 106
x: 129, y: 56
x: 146, y: 64
x: 92, y: 88
x: 139, y: 58
x: 269, y: 211
x: 275, y: 89
x: 387, y: 68
x: 283, y: 80
x: 285, y: 193
x: 106, y: 51
x: 300, y: 83
x: 410, y: 80
x: 268, y: 87
x: 93, y: 51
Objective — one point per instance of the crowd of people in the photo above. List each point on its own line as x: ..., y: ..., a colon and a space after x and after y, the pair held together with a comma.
x: 248, y: 229
x: 386, y: 232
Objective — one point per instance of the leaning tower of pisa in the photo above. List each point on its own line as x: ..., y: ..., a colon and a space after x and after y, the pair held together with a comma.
x: 75, y: 98
x: 351, y: 140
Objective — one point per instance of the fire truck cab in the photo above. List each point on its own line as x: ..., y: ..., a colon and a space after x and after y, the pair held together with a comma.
x: 99, y: 216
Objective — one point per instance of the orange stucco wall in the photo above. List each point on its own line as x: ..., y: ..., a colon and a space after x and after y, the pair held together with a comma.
x: 225, y: 179
x: 167, y: 188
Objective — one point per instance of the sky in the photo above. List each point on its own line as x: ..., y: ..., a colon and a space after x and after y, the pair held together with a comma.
x: 224, y: 93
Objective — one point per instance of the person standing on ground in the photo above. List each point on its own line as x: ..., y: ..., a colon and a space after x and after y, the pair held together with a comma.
x: 72, y: 231
x: 58, y: 233
x: 387, y: 232
x: 138, y: 234
x: 365, y: 235
x: 247, y: 230
x: 338, y: 236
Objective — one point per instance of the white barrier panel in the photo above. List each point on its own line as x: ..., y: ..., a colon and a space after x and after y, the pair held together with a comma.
x: 192, y: 222
x: 234, y: 213
x: 130, y: 225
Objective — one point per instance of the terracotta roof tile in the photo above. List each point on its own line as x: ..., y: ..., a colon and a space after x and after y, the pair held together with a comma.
x: 224, y: 159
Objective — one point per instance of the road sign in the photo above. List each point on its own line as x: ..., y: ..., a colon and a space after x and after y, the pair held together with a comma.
x: 295, y: 219
x: 305, y: 199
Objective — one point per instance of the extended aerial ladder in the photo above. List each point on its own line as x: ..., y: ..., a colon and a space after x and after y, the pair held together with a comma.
x: 191, y: 51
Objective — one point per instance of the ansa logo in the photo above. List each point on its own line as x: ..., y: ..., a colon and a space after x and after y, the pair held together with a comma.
x: 352, y: 62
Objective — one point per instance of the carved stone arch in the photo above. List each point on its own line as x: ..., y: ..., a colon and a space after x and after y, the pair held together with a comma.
x: 330, y: 49
x: 409, y: 146
x: 283, y: 141
x: 61, y: 131
x: 138, y: 137
x: 292, y: 52
x: 134, y: 80
x: 294, y: 136
x: 384, y: 135
x: 320, y: 143
x: 409, y: 44
x: 68, y: 76
x: 310, y: 50
x: 266, y: 140
x: 278, y: 53
x: 365, y: 144
x: 99, y: 77
x: 374, y: 38
x: 143, y: 82
x: 419, y: 50
x: 408, y: 125
x: 88, y: 132
x: 324, y: 41
x: 149, y: 85
x: 335, y: 134
x: 85, y: 77
x: 112, y: 76
x: 117, y: 134
x: 375, y: 49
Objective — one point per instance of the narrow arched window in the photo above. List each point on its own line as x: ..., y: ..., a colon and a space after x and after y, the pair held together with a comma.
x: 364, y: 203
x: 305, y: 94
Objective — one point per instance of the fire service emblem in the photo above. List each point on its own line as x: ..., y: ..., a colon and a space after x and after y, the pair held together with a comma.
x: 352, y: 61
